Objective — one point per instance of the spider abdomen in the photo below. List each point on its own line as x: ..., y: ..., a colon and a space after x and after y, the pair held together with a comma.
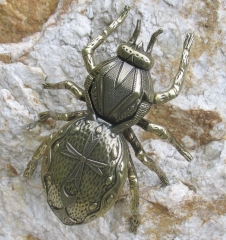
x: 83, y: 170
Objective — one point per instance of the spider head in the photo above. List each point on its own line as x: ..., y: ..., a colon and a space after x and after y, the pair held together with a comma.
x: 134, y: 54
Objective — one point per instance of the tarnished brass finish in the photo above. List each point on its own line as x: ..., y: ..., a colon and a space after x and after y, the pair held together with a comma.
x: 88, y: 51
x: 134, y: 196
x: 75, y: 178
x: 143, y: 157
x: 174, y: 91
x: 43, y: 116
x: 85, y: 164
x: 31, y: 166
x: 75, y: 89
x: 163, y: 133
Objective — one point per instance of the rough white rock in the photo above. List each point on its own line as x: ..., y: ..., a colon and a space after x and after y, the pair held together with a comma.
x: 194, y: 205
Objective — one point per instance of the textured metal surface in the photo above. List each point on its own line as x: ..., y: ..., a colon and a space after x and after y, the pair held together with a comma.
x: 119, y: 88
x: 86, y: 162
x: 177, y: 85
x: 83, y: 171
x: 88, y: 51
x: 164, y: 134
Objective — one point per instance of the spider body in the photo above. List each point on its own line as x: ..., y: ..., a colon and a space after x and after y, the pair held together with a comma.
x: 85, y: 164
x: 118, y: 90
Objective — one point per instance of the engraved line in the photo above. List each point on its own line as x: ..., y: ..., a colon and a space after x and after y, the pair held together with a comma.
x: 90, y: 145
x: 97, y: 164
x: 72, y: 150
x: 97, y: 170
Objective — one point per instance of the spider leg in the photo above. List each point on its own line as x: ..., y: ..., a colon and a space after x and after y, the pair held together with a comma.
x: 163, y: 133
x: 88, y: 51
x: 142, y: 155
x: 174, y: 91
x: 74, y: 88
x: 43, y: 116
x: 134, y: 197
x: 31, y: 166
x: 78, y: 92
x: 38, y: 154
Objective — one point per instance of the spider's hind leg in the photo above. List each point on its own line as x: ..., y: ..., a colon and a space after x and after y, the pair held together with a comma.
x: 143, y: 157
x: 134, y: 197
x: 31, y: 166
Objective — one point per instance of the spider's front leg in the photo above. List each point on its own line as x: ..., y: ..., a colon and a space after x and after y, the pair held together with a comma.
x: 88, y: 51
x: 174, y: 91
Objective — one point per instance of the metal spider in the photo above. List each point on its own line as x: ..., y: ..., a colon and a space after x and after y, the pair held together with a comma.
x: 86, y: 163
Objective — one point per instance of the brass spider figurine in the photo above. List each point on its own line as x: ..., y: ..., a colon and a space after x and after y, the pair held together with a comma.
x: 85, y: 164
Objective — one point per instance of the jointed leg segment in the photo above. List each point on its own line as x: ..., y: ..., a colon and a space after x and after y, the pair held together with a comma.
x: 88, y: 51
x: 74, y: 88
x: 134, y: 196
x: 78, y: 92
x: 45, y: 144
x: 31, y: 166
x: 60, y: 116
x: 173, y: 92
x: 164, y: 134
x: 142, y: 155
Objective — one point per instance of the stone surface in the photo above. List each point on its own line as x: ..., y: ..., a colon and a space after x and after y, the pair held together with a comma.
x: 5, y: 58
x: 193, y: 206
x: 21, y: 18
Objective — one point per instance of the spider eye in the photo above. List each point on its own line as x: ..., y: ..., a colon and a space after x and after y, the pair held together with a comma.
x: 135, y: 56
